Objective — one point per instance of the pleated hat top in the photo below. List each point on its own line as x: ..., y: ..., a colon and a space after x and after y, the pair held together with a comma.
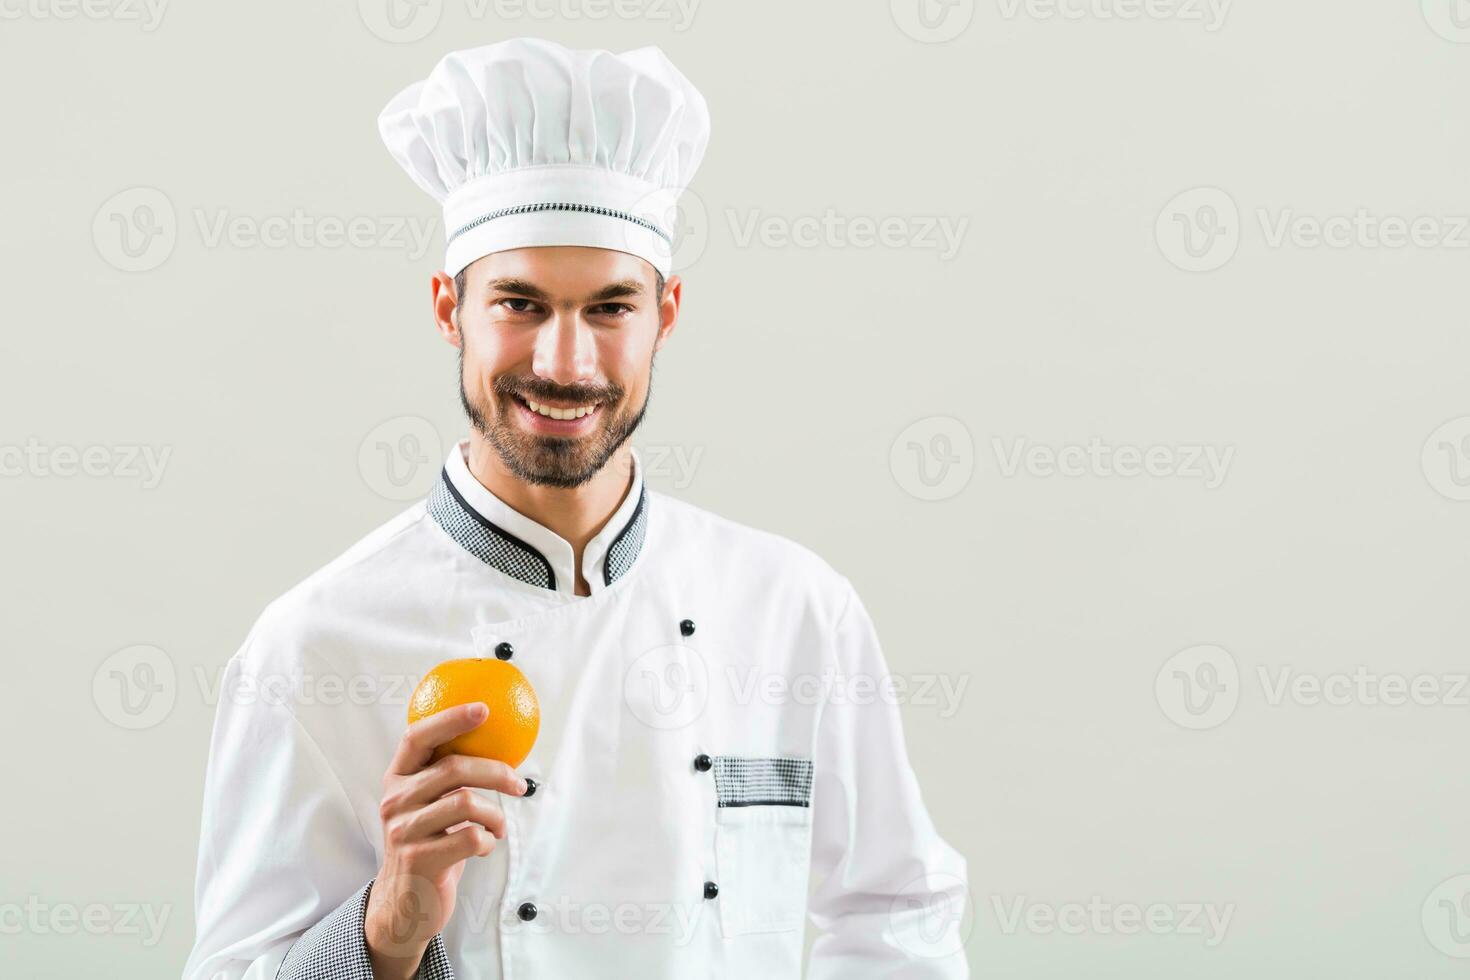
x: 526, y: 143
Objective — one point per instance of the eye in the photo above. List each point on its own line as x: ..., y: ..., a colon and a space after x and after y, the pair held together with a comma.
x: 611, y: 309
x: 517, y: 304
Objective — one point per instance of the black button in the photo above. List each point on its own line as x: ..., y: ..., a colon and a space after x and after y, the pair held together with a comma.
x: 711, y: 890
x: 531, y: 785
x: 527, y: 911
x: 504, y: 650
x: 703, y: 762
x: 687, y: 627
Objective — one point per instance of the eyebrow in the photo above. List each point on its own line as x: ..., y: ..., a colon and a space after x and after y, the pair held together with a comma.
x: 617, y: 290
x: 518, y: 286
x: 522, y: 287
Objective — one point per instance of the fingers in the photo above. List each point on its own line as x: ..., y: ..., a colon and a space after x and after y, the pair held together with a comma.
x: 405, y: 794
x: 456, y: 808
x: 416, y: 748
x: 454, y: 771
x: 429, y: 857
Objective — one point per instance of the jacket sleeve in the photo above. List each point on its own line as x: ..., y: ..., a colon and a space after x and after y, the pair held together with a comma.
x: 335, y: 949
x: 285, y: 866
x: 890, y: 894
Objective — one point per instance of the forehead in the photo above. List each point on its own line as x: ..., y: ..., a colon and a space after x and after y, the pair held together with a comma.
x: 561, y: 270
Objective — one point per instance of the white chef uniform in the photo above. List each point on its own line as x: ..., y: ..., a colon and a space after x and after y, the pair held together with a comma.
x: 701, y: 758
x: 690, y: 743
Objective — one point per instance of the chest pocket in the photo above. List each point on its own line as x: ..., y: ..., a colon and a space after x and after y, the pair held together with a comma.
x: 763, y: 831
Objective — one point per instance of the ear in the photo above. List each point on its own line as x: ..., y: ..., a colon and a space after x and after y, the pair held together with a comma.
x: 446, y: 309
x: 668, y: 310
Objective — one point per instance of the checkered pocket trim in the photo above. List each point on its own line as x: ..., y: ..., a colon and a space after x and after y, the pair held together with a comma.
x: 762, y: 782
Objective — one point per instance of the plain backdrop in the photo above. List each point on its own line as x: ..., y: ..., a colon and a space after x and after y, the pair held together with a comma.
x: 1136, y: 637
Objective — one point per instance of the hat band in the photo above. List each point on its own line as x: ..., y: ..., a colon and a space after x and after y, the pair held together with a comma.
x: 555, y: 206
x: 559, y: 204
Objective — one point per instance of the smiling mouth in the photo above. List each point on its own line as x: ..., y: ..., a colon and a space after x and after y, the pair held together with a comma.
x: 564, y: 417
x: 559, y: 412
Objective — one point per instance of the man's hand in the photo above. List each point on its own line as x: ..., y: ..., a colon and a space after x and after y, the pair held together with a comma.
x: 433, y: 822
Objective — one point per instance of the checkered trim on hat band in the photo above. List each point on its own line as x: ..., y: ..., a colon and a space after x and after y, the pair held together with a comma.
x: 605, y: 212
x: 762, y: 782
x: 493, y: 545
x: 625, y: 547
x: 336, y: 948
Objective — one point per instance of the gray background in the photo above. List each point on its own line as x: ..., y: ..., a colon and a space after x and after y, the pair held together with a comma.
x: 816, y: 388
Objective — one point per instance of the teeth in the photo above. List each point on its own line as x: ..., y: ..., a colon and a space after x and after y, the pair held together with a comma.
x: 564, y: 414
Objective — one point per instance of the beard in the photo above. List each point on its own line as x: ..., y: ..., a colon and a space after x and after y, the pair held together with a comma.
x: 553, y: 461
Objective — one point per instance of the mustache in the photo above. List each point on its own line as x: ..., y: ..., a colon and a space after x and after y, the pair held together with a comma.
x: 540, y: 389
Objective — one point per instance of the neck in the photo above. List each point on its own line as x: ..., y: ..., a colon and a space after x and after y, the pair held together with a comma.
x: 577, y: 514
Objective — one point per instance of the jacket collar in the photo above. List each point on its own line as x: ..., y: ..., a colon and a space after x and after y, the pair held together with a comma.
x: 527, y: 551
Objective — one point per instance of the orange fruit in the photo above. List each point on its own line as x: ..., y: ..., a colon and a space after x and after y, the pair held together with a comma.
x: 515, y: 716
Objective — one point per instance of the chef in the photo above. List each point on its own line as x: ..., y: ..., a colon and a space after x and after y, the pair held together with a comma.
x: 706, y: 781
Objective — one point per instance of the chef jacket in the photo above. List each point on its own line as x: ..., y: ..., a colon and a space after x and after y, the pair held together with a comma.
x: 700, y: 788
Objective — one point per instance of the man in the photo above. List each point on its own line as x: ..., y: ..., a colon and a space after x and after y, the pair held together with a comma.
x: 683, y: 791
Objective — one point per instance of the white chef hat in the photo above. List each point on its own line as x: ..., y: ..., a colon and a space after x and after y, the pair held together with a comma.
x: 526, y: 142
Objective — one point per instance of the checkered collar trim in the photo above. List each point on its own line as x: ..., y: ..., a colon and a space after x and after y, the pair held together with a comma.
x: 502, y: 550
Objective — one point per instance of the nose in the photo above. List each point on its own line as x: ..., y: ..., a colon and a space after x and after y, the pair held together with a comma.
x: 564, y: 351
